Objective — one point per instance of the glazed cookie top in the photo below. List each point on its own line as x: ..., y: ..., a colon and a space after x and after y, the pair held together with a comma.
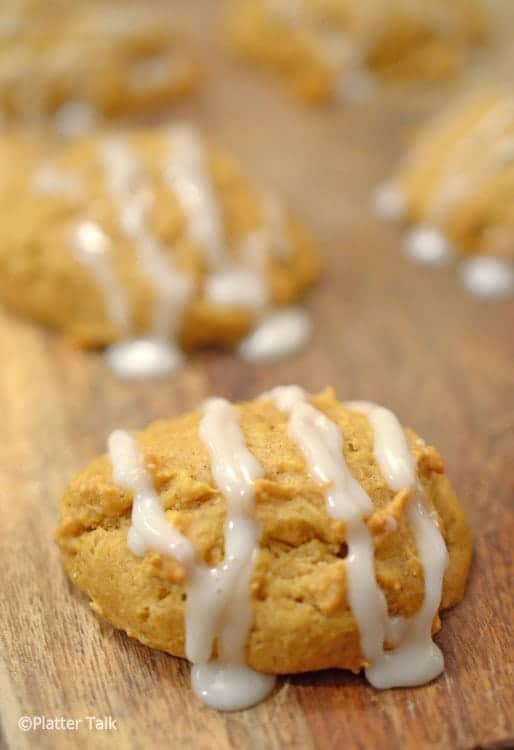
x: 254, y: 503
x: 153, y: 233
x: 455, y: 191
x: 335, y: 47
x: 82, y: 60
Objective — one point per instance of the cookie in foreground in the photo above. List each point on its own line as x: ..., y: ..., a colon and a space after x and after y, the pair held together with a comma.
x: 341, y: 49
x: 454, y: 192
x: 82, y: 61
x: 286, y: 534
x: 152, y: 241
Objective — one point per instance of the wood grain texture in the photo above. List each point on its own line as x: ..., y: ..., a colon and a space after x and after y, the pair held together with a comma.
x: 386, y: 331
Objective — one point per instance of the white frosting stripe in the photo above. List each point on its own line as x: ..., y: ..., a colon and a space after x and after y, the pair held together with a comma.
x: 219, y: 602
x: 416, y: 659
x: 321, y: 442
x: 150, y: 529
x: 92, y: 247
x: 132, y: 193
x: 234, y: 470
x: 390, y: 445
x: 188, y: 176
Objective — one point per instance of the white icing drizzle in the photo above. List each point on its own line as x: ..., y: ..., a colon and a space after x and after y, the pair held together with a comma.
x: 75, y: 118
x: 218, y: 605
x: 237, y: 287
x: 149, y: 529
x: 221, y: 601
x: 321, y: 442
x: 173, y: 287
x: 158, y: 354
x: 427, y: 246
x: 244, y: 283
x: 187, y: 175
x: 281, y: 333
x: 416, y: 659
x: 487, y: 277
x: 91, y: 247
x: 390, y: 202
x: 49, y: 180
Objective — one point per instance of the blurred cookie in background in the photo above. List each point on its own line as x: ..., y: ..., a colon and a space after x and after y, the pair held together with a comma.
x: 454, y: 192
x: 152, y: 242
x: 341, y: 49
x: 80, y: 62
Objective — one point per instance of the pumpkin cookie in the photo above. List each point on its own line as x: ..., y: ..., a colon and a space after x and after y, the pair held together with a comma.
x: 326, y: 49
x: 454, y: 192
x: 80, y: 61
x: 153, y: 236
x: 286, y: 534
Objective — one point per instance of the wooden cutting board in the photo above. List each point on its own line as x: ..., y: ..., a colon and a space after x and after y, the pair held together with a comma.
x: 386, y: 331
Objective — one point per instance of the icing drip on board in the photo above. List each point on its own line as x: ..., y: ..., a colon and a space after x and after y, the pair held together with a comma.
x: 278, y: 334
x: 427, y: 246
x: 487, y: 277
x: 389, y: 201
x: 91, y: 247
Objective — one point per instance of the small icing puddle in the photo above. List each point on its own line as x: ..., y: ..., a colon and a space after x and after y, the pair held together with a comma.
x: 389, y: 202
x: 487, y: 277
x: 407, y: 665
x: 356, y: 87
x: 135, y: 359
x: 75, y: 119
x: 280, y: 334
x: 230, y: 687
x: 427, y: 246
